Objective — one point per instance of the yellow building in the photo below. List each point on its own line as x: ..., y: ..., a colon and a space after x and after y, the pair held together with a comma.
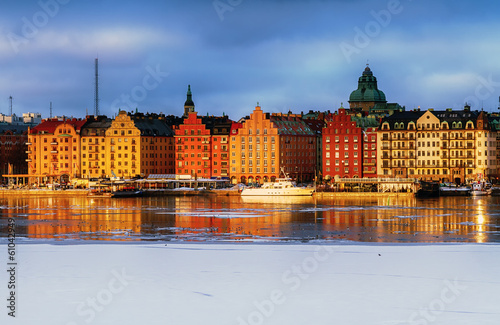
x: 93, y: 147
x: 123, y: 141
x: 454, y: 146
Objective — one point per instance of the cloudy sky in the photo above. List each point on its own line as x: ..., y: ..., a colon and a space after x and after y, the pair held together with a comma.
x: 292, y: 55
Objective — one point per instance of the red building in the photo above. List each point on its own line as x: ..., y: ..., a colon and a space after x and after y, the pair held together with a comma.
x: 349, y: 145
x: 193, y: 147
x: 370, y: 152
x: 342, y: 146
x: 220, y: 127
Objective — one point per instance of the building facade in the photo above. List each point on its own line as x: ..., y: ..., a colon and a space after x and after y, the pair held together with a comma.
x: 454, y: 146
x: 267, y: 143
x: 123, y: 139
x: 54, y: 149
x: 156, y: 153
x: 93, y: 147
x: 193, y: 148
x: 13, y: 151
x: 342, y: 146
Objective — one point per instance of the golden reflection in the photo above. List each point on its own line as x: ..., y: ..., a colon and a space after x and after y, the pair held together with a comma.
x: 77, y: 217
x: 480, y: 221
x: 375, y: 219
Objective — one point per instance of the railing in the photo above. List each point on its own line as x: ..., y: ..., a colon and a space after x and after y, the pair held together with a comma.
x: 378, y: 180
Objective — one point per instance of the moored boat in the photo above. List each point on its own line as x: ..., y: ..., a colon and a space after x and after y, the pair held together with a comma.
x: 451, y: 189
x: 281, y: 187
x: 127, y: 193
x: 481, y: 189
x: 428, y: 189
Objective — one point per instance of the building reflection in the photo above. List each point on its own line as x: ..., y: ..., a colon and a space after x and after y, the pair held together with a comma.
x: 202, y: 218
x: 76, y: 218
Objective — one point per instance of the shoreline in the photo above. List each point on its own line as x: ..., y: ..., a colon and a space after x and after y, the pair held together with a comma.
x: 155, y: 193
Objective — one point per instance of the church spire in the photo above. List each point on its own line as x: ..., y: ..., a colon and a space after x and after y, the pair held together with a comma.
x: 189, y: 104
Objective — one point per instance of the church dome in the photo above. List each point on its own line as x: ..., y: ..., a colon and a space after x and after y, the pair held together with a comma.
x: 367, y: 89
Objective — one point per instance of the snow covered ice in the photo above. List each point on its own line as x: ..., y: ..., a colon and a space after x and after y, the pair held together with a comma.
x: 222, y: 283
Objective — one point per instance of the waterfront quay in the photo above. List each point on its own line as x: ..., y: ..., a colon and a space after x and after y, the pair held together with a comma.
x: 151, y: 187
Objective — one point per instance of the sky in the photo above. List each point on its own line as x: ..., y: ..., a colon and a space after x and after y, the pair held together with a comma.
x: 295, y: 55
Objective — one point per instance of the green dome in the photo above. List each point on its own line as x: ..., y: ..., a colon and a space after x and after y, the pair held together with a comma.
x: 367, y: 89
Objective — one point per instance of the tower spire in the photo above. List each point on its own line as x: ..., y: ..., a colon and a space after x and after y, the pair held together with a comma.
x: 189, y: 104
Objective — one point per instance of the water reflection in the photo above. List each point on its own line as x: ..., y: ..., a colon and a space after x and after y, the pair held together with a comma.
x: 251, y: 218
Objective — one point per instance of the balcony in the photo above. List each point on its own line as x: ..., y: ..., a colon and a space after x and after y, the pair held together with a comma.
x: 54, y: 143
x: 28, y: 152
x: 28, y: 160
x: 53, y: 151
x: 28, y: 143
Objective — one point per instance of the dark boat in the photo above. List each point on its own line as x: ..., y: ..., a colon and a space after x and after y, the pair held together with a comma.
x: 127, y: 193
x: 428, y: 189
x: 450, y: 189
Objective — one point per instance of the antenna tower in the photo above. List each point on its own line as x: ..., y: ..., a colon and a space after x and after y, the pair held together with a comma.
x: 96, y: 92
x: 50, y: 110
x: 10, y: 99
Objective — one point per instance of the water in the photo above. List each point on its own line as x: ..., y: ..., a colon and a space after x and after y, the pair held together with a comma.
x: 222, y: 218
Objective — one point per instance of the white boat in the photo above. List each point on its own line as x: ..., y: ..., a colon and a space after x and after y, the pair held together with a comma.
x: 281, y: 187
x: 451, y: 189
x: 480, y: 189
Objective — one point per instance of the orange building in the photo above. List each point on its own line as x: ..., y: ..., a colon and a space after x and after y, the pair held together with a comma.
x: 54, y: 149
x: 266, y: 143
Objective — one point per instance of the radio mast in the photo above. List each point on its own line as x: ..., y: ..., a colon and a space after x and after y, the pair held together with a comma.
x: 96, y: 92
